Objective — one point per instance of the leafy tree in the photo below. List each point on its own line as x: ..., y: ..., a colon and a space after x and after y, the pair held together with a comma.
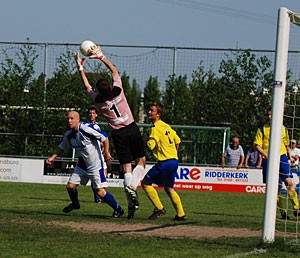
x: 205, y: 93
x: 152, y: 92
x: 240, y: 79
x: 133, y: 95
x: 135, y: 102
x: 176, y: 100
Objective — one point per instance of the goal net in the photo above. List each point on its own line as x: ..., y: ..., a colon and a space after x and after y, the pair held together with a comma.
x: 281, y: 200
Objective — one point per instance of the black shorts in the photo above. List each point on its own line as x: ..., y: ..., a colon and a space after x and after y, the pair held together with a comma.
x: 129, y: 143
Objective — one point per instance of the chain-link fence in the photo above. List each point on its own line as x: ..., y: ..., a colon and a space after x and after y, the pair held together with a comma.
x: 139, y: 63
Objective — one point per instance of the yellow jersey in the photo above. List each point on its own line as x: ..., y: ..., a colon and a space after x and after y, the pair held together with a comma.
x: 162, y: 141
x: 262, y: 138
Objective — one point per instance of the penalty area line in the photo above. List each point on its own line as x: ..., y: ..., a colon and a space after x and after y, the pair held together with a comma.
x: 255, y: 251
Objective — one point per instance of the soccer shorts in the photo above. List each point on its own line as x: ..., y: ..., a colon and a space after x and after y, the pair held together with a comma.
x: 284, y: 168
x: 128, y: 143
x: 82, y: 176
x: 163, y: 173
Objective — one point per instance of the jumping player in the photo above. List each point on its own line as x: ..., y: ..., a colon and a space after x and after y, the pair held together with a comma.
x: 128, y: 141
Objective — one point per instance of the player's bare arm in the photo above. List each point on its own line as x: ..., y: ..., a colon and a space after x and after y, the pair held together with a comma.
x: 260, y: 150
x: 96, y: 53
x: 79, y: 62
x: 111, y: 67
x: 108, y: 158
x: 54, y: 156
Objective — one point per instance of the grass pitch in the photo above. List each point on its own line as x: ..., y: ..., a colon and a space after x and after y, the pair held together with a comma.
x: 27, y: 213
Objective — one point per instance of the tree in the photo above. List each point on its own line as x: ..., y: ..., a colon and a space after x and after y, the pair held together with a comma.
x: 133, y: 95
x: 242, y: 77
x: 176, y: 101
x: 136, y: 99
x: 152, y: 92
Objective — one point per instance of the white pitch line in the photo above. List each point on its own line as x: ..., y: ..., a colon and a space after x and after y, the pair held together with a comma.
x: 255, y: 251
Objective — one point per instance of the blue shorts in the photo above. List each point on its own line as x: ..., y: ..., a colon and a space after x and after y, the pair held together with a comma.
x: 284, y: 168
x: 163, y: 173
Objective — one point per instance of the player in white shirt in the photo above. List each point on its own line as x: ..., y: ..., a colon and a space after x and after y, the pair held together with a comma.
x: 127, y: 138
x: 91, y: 122
x: 85, y: 142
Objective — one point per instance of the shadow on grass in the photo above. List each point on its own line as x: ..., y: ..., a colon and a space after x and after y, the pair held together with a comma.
x: 65, y: 199
x: 33, y: 214
x: 152, y: 228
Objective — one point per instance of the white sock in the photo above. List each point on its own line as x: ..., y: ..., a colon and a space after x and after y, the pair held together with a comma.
x: 127, y: 179
x: 137, y: 175
x: 127, y: 182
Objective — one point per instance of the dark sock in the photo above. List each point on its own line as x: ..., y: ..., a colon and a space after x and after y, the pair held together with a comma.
x: 73, y: 193
x: 96, y: 195
x: 110, y: 200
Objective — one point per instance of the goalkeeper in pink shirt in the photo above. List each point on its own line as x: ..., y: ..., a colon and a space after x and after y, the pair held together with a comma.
x: 129, y: 144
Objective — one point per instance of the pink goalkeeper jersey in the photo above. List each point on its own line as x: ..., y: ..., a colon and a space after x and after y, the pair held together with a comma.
x: 116, y: 110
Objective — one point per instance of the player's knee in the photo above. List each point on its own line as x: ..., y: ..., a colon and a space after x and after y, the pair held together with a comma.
x: 169, y: 190
x: 141, y: 162
x: 71, y: 186
x: 144, y: 183
x: 101, y: 192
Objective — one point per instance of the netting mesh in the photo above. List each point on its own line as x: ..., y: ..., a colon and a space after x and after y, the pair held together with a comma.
x: 138, y: 62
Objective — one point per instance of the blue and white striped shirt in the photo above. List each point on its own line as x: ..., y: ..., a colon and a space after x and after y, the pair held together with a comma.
x: 85, y: 142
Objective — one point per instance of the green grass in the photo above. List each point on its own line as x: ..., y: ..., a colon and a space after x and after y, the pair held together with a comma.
x: 26, y: 208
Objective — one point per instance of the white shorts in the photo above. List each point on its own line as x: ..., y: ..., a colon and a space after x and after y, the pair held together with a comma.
x: 103, y: 163
x: 81, y: 177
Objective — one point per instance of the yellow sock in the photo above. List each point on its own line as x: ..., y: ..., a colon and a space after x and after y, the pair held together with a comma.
x: 177, y: 204
x: 153, y: 196
x: 294, y: 199
x: 281, y: 203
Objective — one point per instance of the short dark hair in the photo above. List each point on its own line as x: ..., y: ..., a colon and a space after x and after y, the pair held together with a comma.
x: 92, y: 108
x: 159, y: 107
x: 104, y: 87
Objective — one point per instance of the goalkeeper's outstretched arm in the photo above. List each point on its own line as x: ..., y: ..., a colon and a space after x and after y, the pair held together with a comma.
x: 83, y: 77
x: 110, y: 66
x: 98, y: 54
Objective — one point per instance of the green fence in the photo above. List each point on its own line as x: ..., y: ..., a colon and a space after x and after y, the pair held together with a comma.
x: 199, y: 146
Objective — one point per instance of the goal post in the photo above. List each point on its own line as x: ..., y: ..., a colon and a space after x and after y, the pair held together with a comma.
x: 285, y: 17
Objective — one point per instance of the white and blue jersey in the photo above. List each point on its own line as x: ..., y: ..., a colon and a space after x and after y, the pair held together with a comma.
x: 85, y: 142
x: 97, y: 127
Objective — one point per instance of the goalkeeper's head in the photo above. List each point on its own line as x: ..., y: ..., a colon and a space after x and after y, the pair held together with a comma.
x: 104, y: 87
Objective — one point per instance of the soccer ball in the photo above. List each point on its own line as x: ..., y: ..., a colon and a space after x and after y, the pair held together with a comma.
x: 85, y: 47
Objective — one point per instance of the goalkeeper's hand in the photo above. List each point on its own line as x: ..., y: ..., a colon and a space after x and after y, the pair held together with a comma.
x: 96, y: 53
x: 79, y: 61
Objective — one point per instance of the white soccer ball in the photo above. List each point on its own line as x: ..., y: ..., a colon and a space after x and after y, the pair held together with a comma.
x: 85, y: 47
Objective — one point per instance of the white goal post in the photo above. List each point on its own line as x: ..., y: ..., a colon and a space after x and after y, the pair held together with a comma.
x: 285, y: 17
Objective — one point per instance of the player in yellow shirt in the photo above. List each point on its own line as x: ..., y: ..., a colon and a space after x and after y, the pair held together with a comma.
x: 163, y: 142
x: 261, y: 142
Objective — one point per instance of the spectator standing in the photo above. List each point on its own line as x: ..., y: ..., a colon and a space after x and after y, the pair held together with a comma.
x: 294, y: 152
x: 253, y: 158
x: 233, y: 156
